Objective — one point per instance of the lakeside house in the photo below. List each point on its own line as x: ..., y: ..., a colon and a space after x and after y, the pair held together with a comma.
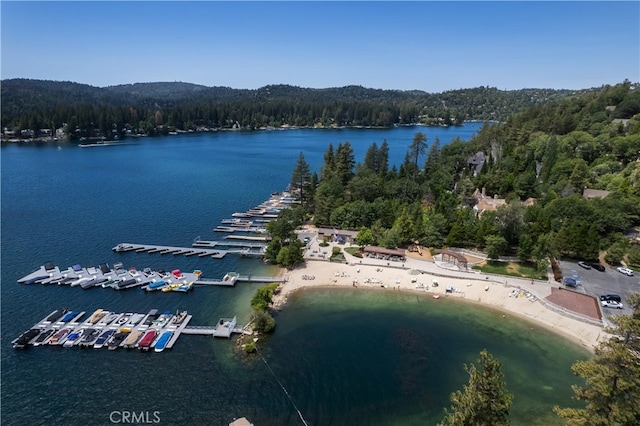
x: 484, y: 203
x: 476, y: 162
x: 337, y: 235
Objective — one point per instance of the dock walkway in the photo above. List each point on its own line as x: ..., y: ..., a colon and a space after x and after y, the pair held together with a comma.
x: 188, y: 251
x: 177, y: 324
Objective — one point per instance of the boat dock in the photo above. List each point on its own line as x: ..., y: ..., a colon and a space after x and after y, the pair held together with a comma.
x: 121, y: 279
x: 244, y: 278
x: 186, y: 251
x: 224, y: 328
x: 125, y: 330
x: 202, y: 243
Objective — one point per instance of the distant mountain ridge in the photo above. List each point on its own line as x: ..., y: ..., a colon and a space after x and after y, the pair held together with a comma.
x: 168, y: 106
x: 33, y: 92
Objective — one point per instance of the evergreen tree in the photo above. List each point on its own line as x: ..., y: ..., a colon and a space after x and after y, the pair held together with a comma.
x: 382, y: 159
x: 612, y: 387
x: 345, y: 162
x: 329, y: 167
x: 417, y: 148
x: 301, y: 176
x: 485, y: 401
x: 371, y: 157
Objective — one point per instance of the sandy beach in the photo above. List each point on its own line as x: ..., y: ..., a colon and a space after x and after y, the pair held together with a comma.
x: 513, y: 296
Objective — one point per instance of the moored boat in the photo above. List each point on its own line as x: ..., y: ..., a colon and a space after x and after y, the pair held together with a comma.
x: 162, y: 341
x: 123, y: 319
x: 132, y: 339
x: 184, y: 287
x: 116, y: 340
x: 59, y: 336
x: 157, y: 285
x: 69, y: 316
x: 43, y: 337
x: 73, y: 338
x: 56, y: 315
x: 23, y: 340
x: 178, y: 318
x: 145, y: 343
x: 96, y: 316
x: 134, y: 319
x: 102, y: 339
x: 93, y: 283
x: 89, y: 337
x: 109, y: 318
x: 171, y: 287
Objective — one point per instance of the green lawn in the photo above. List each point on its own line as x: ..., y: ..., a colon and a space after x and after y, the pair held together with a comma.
x: 354, y: 251
x: 513, y: 270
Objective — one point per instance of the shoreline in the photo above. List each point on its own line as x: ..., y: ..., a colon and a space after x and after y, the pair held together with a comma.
x: 48, y: 139
x: 507, y: 298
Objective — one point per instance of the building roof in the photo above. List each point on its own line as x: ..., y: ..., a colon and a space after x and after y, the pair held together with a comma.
x: 457, y: 256
x: 383, y: 250
x: 352, y: 233
x: 594, y: 193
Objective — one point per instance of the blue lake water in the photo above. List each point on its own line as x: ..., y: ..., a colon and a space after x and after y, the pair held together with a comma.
x: 369, y: 358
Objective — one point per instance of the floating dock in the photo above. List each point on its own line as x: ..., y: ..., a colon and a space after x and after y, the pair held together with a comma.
x: 121, y: 279
x: 125, y: 330
x: 230, y: 281
x: 186, y: 251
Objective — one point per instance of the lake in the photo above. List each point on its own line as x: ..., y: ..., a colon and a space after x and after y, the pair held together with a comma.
x: 369, y: 358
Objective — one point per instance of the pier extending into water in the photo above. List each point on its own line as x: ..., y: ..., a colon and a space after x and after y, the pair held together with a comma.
x: 187, y: 251
x: 63, y: 327
x: 243, y: 278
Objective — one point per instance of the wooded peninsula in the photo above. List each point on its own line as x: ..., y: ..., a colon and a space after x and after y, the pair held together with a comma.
x: 558, y: 180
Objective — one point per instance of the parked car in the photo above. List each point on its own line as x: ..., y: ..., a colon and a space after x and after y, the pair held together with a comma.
x: 597, y: 266
x: 584, y: 264
x: 625, y: 271
x: 570, y: 282
x: 611, y: 304
x: 613, y: 297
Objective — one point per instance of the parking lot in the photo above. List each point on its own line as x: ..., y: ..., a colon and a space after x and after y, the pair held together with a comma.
x: 596, y: 283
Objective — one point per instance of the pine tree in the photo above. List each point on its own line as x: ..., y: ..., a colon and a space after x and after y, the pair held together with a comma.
x: 301, y: 176
x: 485, y: 400
x: 612, y: 387
x: 417, y: 148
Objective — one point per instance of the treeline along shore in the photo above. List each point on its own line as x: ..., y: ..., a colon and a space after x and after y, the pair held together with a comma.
x: 39, y: 109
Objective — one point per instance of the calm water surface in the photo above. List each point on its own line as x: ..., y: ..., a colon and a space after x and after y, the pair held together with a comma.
x: 359, y: 358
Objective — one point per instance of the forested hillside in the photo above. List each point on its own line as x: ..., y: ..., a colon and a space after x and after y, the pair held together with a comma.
x: 534, y: 169
x: 84, y: 111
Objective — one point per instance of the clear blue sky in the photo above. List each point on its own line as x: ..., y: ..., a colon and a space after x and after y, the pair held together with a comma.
x: 430, y: 46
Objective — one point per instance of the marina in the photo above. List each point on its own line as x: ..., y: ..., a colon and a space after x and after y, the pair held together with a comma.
x: 119, y: 278
x: 103, y: 329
